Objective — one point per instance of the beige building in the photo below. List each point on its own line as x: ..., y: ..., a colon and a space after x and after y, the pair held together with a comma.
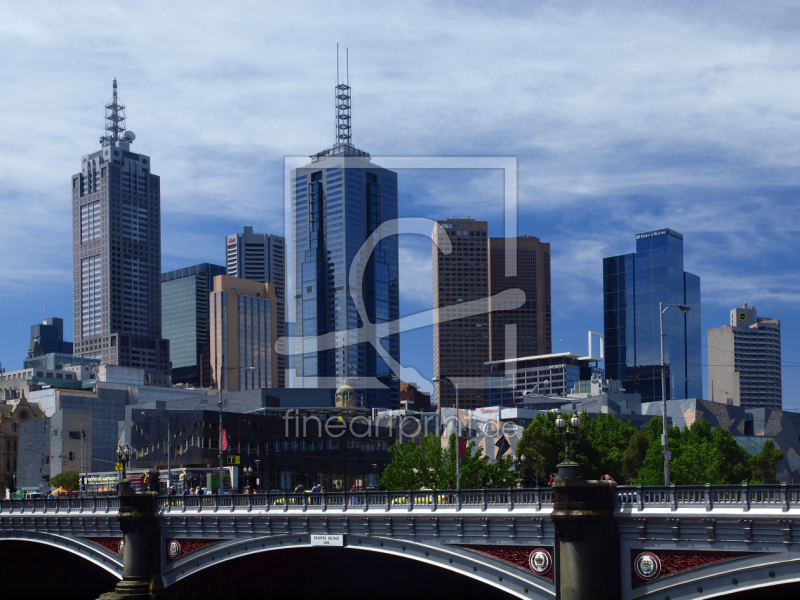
x: 12, y: 413
x: 243, y: 327
x: 744, y: 361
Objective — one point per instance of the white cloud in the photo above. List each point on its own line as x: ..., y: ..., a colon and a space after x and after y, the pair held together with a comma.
x: 624, y: 117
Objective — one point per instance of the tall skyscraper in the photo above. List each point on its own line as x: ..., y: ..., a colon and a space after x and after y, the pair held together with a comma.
x: 261, y: 257
x: 184, y: 319
x: 116, y: 240
x: 523, y: 331
x: 242, y: 319
x: 461, y: 346
x: 338, y: 201
x: 633, y: 286
x: 744, y: 361
x: 49, y: 334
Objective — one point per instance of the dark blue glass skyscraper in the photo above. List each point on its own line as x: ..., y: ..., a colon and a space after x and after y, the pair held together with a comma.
x: 633, y: 286
x: 338, y: 201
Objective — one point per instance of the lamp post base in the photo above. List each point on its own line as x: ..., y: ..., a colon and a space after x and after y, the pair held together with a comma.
x: 568, y: 470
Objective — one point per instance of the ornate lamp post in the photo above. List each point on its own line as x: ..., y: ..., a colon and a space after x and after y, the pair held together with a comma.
x: 248, y: 472
x: 519, y: 465
x: 258, y: 480
x: 568, y: 470
x: 124, y: 456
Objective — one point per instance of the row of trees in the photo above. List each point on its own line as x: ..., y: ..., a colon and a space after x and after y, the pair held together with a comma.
x: 428, y: 464
x: 607, y: 445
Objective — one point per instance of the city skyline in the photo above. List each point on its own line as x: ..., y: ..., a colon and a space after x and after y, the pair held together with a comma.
x: 728, y: 184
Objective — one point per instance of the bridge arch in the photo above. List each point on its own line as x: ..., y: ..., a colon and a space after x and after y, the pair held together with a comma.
x: 458, y: 560
x: 85, y: 549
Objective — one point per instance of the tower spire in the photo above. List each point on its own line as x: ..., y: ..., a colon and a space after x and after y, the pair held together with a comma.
x: 115, y: 119
x: 343, y: 102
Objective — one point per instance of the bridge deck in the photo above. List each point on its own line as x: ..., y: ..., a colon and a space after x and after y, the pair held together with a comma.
x: 428, y: 501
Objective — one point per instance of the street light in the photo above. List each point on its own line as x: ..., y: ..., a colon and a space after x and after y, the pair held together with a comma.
x: 248, y: 472
x: 662, y: 308
x: 124, y: 456
x: 219, y: 403
x: 568, y: 470
x: 258, y: 479
x: 458, y: 428
x: 519, y: 465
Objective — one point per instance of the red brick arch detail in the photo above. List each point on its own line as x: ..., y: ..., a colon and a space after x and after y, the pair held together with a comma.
x: 187, y: 546
x: 109, y: 543
x: 678, y: 561
x: 519, y: 556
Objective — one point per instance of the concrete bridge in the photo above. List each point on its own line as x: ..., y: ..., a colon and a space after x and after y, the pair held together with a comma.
x: 628, y: 542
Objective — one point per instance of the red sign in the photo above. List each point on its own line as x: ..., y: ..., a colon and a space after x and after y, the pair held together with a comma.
x: 462, y: 448
x: 224, y: 439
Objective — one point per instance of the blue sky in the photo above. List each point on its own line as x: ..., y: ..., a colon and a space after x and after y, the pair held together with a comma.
x: 625, y: 117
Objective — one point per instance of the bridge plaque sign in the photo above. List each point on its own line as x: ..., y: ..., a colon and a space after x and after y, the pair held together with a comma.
x: 327, y: 540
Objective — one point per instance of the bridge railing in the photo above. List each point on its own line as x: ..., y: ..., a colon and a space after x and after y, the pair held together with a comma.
x: 382, y: 500
x: 104, y: 504
x: 709, y: 497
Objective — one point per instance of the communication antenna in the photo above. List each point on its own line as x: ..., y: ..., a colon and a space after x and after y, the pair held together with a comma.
x: 115, y: 119
x: 343, y: 103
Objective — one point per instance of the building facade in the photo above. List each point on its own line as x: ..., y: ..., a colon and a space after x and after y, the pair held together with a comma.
x: 338, y: 201
x: 261, y: 257
x: 744, y: 361
x: 461, y: 333
x: 49, y: 334
x: 12, y: 414
x: 523, y: 331
x: 509, y: 380
x: 242, y: 323
x: 116, y: 237
x: 633, y: 286
x: 184, y: 319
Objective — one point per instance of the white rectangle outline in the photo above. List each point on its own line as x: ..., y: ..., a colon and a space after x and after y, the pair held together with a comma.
x: 508, y: 164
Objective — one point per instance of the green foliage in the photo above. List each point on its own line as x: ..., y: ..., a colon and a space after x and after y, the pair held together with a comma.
x: 601, y: 446
x: 69, y: 480
x: 539, y: 446
x: 764, y: 465
x: 430, y: 465
x: 700, y: 454
x: 633, y: 457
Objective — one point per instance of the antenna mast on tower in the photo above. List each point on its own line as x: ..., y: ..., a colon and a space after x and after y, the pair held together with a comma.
x: 115, y: 119
x: 343, y: 102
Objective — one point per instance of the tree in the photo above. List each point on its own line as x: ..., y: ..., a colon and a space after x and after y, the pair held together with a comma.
x: 601, y: 445
x: 633, y: 457
x: 652, y: 471
x: 764, y: 465
x: 430, y: 465
x: 69, y: 480
x: 700, y: 454
x: 539, y: 445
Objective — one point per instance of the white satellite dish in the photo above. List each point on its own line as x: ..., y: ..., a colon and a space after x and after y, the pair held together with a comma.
x: 130, y: 136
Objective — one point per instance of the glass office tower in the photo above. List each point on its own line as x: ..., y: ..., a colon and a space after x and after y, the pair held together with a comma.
x: 633, y: 286
x: 337, y: 202
x: 184, y: 320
